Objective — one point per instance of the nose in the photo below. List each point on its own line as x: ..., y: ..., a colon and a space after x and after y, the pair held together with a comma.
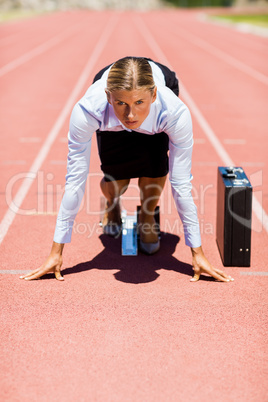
x: 130, y: 113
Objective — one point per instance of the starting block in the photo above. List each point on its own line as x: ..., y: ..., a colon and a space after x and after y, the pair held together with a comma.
x: 130, y: 235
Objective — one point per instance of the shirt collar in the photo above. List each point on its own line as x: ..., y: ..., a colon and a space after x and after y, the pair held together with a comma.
x: 112, y: 120
x: 147, y: 124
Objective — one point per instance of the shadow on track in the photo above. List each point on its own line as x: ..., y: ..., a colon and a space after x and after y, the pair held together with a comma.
x: 135, y: 270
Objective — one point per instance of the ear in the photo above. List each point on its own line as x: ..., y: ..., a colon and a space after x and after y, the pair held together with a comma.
x: 108, y: 95
x: 154, y: 94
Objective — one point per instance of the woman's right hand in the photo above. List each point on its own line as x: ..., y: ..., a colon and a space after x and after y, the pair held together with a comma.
x: 52, y: 265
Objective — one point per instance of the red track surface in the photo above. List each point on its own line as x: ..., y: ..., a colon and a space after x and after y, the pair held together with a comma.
x: 119, y: 328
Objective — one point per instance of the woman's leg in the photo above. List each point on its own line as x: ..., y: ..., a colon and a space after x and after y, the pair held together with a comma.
x: 150, y: 191
x: 112, y: 190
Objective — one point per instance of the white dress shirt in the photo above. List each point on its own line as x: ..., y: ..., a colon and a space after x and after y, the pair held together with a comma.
x: 93, y: 112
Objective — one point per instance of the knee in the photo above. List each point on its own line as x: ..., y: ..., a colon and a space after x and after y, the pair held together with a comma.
x: 114, y: 189
x: 151, y: 186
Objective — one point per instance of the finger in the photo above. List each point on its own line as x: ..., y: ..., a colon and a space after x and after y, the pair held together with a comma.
x: 58, y: 275
x: 29, y: 274
x: 224, y: 275
x: 219, y: 277
x: 215, y: 273
x: 36, y: 275
x: 196, y: 277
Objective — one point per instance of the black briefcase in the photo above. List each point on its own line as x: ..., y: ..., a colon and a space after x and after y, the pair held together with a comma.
x: 234, y: 210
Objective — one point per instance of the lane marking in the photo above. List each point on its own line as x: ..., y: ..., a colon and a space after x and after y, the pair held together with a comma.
x: 209, y: 163
x: 58, y: 162
x: 217, y: 145
x: 253, y: 164
x: 254, y: 273
x: 37, y: 51
x: 232, y: 61
x: 31, y: 175
x: 23, y: 272
x: 13, y: 272
x: 199, y: 140
x: 30, y: 139
x: 234, y: 141
x: 41, y: 213
x: 205, y: 163
x: 16, y: 162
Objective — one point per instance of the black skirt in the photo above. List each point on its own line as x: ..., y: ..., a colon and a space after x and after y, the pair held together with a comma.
x: 126, y: 155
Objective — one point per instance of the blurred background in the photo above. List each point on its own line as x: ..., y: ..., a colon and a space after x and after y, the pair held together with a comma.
x: 50, y: 5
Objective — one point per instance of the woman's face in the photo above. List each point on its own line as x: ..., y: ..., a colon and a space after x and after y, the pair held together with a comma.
x: 131, y: 107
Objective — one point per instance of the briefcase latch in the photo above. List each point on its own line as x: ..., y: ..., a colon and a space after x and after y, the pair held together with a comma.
x: 229, y: 173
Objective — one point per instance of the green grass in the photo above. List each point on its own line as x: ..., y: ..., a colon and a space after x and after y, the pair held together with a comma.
x: 254, y: 19
x: 13, y: 15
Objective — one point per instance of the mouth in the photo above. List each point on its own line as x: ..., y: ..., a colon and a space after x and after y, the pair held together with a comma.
x: 131, y: 123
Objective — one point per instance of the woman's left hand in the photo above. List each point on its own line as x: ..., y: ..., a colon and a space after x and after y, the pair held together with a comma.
x: 201, y: 265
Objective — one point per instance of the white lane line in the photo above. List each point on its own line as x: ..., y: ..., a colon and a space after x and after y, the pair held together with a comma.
x: 257, y: 273
x: 242, y: 164
x: 58, y: 162
x: 234, y: 141
x: 199, y: 140
x: 218, y: 147
x: 41, y: 213
x: 14, y: 162
x: 37, y: 51
x: 30, y: 139
x: 13, y: 271
x: 253, y: 164
x: 27, y: 182
x: 232, y: 61
x: 205, y: 163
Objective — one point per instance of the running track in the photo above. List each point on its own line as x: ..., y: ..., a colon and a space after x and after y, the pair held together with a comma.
x: 118, y: 328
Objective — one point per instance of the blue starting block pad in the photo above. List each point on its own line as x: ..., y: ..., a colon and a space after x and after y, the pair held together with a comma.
x: 129, y: 234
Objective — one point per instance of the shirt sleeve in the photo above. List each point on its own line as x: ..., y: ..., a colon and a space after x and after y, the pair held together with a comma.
x: 179, y: 130
x: 82, y: 127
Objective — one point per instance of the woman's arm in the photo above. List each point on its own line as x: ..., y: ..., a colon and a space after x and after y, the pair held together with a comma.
x: 181, y: 142
x: 180, y: 135
x: 82, y: 127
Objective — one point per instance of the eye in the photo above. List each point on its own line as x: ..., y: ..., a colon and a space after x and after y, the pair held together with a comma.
x: 120, y: 103
x: 139, y: 102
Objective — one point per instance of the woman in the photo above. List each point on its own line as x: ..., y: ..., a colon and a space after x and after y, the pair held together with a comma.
x: 134, y: 108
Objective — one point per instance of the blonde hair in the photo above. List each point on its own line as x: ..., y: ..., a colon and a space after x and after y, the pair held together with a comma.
x: 130, y: 73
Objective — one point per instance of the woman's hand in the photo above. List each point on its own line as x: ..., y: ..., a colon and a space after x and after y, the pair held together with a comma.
x: 52, y: 265
x: 202, y: 265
